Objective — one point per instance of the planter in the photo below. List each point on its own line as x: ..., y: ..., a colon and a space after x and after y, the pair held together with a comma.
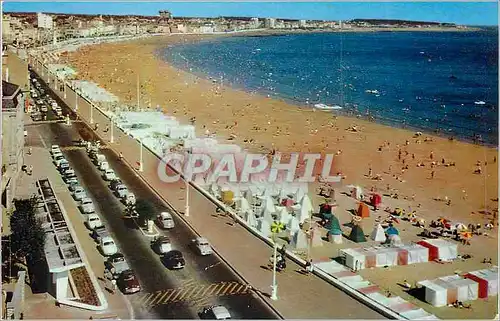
x: 84, y: 286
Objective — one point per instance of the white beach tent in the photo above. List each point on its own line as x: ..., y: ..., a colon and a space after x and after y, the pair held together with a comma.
x: 243, y: 207
x: 250, y: 219
x: 299, y: 194
x: 299, y: 240
x: 395, y: 240
x: 268, y: 206
x: 293, y: 225
x: 353, y: 259
x: 264, y: 227
x: 336, y: 238
x: 355, y: 191
x: 386, y: 257
x: 316, y: 237
x: 378, y: 234
x: 283, y: 215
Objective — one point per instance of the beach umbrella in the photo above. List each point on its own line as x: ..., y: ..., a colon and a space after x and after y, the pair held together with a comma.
x: 244, y: 207
x: 293, y: 225
x: 283, y: 215
x: 264, y: 227
x: 299, y: 240
x: 461, y: 227
x: 306, y: 203
x: 250, y: 219
x: 392, y: 231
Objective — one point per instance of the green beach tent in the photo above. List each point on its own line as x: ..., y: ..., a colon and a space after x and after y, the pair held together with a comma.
x: 333, y: 226
x: 357, y: 235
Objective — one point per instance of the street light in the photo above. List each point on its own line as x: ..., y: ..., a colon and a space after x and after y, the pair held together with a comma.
x: 91, y: 113
x: 140, y: 157
x: 186, y: 212
x: 112, y: 139
x: 276, y: 227
x: 76, y: 101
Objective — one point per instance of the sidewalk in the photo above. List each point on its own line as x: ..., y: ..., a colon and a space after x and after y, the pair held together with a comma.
x: 300, y: 296
x: 43, y: 167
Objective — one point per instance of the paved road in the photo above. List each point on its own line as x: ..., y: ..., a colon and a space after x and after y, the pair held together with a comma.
x: 135, y: 246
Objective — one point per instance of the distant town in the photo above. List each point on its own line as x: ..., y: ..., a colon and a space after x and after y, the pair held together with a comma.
x: 30, y: 29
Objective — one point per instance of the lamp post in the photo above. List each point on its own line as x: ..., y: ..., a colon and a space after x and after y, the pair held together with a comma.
x: 140, y: 157
x: 91, y: 113
x: 112, y: 139
x: 186, y: 212
x: 76, y: 101
x: 274, y: 286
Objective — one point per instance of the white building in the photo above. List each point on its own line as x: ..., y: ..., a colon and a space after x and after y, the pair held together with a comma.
x: 270, y: 23
x: 302, y: 23
x: 255, y: 23
x: 44, y: 21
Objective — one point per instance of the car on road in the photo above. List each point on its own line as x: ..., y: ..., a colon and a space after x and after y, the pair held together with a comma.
x: 87, y: 206
x: 128, y: 283
x: 104, y: 165
x: 129, y: 199
x: 165, y: 220
x: 44, y: 108
x: 34, y: 94
x: 72, y: 180
x: 99, y: 232
x: 73, y: 186
x: 109, y: 175
x: 65, y: 170
x: 93, y: 221
x: 217, y: 312
x: 161, y: 245
x: 64, y: 165
x: 174, y: 260
x: 97, y: 158
x: 115, y: 183
x: 202, y: 246
x: 116, y: 263
x: 121, y: 191
x: 36, y: 116
x: 58, y: 159
x: 108, y: 246
x: 79, y: 193
x: 55, y: 152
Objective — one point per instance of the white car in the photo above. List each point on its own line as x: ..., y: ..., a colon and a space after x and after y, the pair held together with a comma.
x: 162, y: 244
x: 103, y: 166
x: 108, y: 246
x: 218, y: 312
x: 121, y: 191
x: 165, y: 220
x: 87, y: 206
x: 93, y: 221
x: 202, y: 246
x: 57, y: 153
x: 79, y: 193
x: 44, y: 108
x: 109, y: 175
x: 129, y: 198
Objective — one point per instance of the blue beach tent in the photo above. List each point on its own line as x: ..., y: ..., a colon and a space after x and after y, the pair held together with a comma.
x: 392, y: 230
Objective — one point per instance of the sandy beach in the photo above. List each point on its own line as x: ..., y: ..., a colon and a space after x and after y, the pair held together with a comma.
x: 404, y: 163
x: 259, y: 123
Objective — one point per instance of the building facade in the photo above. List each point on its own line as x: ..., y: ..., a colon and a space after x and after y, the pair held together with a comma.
x: 44, y: 21
x: 12, y: 140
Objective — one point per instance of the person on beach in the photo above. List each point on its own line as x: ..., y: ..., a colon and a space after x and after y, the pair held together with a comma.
x: 432, y: 174
x: 121, y: 156
x: 29, y: 151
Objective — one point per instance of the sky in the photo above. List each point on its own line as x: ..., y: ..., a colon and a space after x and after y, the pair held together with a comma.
x: 466, y: 13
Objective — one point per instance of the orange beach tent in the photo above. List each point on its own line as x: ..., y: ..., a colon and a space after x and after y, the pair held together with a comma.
x: 363, y: 210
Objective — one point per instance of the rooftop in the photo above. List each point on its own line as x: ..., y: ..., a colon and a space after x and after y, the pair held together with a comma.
x: 60, y: 247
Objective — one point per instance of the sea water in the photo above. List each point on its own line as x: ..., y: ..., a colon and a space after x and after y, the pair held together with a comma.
x: 429, y: 81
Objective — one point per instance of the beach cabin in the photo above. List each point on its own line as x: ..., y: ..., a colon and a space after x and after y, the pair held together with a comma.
x: 487, y: 281
x: 440, y: 249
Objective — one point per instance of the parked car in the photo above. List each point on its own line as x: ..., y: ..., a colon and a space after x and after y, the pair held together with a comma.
x: 104, y: 165
x: 55, y: 148
x: 56, y: 153
x: 93, y: 221
x: 174, y: 260
x: 73, y: 186
x: 79, y: 193
x: 97, y: 158
x: 218, y: 312
x: 44, y: 108
x: 121, y: 191
x: 116, y: 263
x: 59, y: 159
x: 129, y: 199
x: 64, y: 165
x: 108, y: 246
x: 115, y: 183
x: 128, y: 283
x: 34, y: 94
x: 70, y: 178
x: 99, y: 232
x: 87, y: 206
x: 165, y: 220
x: 161, y: 245
x: 109, y: 175
x: 202, y: 246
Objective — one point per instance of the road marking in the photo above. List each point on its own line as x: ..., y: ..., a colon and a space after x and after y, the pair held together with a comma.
x: 41, y: 138
x: 191, y: 293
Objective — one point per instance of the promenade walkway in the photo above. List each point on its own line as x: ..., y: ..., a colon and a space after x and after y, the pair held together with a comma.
x: 300, y: 296
x: 43, y: 305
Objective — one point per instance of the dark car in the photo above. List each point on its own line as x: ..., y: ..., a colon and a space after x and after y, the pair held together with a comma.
x: 174, y: 260
x: 128, y: 282
x: 114, y: 184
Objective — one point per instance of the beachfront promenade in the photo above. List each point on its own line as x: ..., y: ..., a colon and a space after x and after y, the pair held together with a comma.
x: 299, y: 296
